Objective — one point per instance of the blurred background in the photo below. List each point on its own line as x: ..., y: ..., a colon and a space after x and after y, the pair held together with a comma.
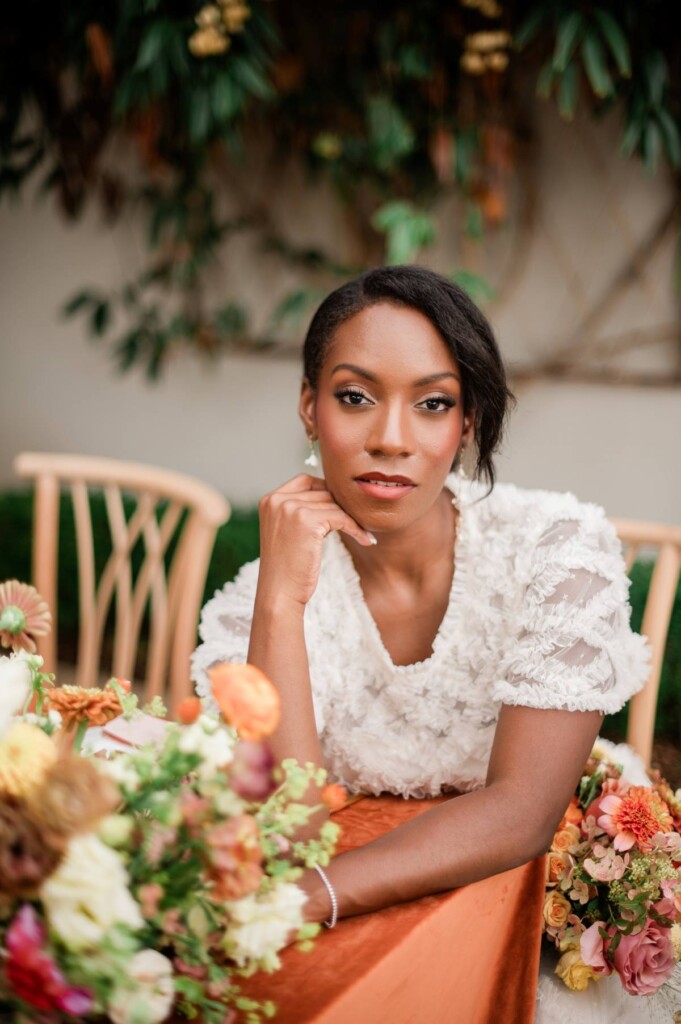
x: 181, y: 184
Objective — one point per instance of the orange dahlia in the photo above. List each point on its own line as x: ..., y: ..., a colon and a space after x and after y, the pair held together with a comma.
x: 78, y: 704
x: 23, y: 616
x: 635, y: 817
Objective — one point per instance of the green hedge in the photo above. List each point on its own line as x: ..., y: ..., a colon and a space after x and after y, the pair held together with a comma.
x: 238, y: 542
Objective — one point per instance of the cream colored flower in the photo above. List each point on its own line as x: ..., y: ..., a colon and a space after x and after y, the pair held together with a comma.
x: 147, y: 997
x: 572, y: 970
x: 88, y: 894
x: 16, y: 680
x: 676, y: 940
x: 26, y: 755
x: 23, y: 616
x: 260, y: 924
x: 208, y: 738
x: 556, y: 909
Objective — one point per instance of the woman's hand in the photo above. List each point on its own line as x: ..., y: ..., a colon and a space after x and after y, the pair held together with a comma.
x: 294, y: 520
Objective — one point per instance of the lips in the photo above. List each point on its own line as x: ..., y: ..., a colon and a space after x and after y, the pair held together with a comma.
x: 382, y: 487
x: 381, y: 478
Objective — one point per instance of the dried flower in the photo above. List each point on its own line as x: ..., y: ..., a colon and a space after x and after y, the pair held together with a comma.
x: 27, y: 858
x: 26, y: 755
x: 208, y: 42
x: 23, y: 616
x: 234, y: 14
x: 73, y: 797
x: 79, y: 704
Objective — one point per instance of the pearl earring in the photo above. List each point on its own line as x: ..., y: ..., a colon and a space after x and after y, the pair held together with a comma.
x: 461, y: 469
x: 312, y: 459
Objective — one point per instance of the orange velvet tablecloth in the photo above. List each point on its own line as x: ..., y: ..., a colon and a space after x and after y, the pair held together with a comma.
x: 468, y: 956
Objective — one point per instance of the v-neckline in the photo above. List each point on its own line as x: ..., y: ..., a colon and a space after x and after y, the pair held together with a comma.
x: 456, y: 590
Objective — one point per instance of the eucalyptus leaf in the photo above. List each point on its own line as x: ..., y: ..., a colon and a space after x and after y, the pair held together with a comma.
x: 567, y: 36
x: 595, y: 65
x: 617, y: 41
x: 670, y: 136
x: 568, y: 91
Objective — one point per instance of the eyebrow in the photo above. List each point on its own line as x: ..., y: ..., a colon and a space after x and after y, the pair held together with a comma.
x: 432, y: 378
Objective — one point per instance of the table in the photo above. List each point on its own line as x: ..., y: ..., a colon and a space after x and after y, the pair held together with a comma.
x: 469, y: 956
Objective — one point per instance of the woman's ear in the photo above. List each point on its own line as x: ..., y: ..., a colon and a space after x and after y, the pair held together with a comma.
x: 306, y: 409
x: 468, y: 432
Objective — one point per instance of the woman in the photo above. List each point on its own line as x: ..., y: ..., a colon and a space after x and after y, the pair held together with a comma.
x: 426, y: 632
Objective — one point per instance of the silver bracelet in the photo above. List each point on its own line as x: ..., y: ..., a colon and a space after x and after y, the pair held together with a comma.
x: 331, y: 923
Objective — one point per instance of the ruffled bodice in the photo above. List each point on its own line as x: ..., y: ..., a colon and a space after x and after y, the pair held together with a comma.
x: 538, y: 615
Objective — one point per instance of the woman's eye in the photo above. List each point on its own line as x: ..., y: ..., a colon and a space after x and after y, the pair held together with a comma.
x: 437, y: 404
x: 350, y: 397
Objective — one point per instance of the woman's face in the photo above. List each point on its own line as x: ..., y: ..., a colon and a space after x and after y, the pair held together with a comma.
x: 388, y: 404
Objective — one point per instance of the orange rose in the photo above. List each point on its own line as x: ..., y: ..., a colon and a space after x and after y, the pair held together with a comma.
x: 246, y: 699
x: 188, y: 710
x: 557, y: 864
x: 573, y: 815
x: 334, y: 796
x: 556, y: 909
x: 569, y: 835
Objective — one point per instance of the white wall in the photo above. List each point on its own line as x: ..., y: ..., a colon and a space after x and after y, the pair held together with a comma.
x: 234, y: 422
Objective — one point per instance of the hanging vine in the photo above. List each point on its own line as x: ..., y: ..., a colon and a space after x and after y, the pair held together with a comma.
x: 395, y: 112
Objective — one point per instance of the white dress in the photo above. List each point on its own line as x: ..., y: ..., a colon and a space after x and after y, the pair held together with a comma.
x: 538, y: 615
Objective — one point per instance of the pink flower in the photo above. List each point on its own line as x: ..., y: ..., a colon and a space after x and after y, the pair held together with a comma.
x: 251, y: 770
x: 592, y: 949
x: 635, y: 818
x: 645, y: 960
x: 609, y: 867
x: 33, y: 974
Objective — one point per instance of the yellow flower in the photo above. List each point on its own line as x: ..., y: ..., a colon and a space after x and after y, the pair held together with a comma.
x: 572, y: 970
x: 26, y: 754
x: 556, y: 909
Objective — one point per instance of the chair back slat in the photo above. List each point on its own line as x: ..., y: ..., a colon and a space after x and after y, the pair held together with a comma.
x: 88, y: 653
x: 45, y: 553
x: 656, y: 618
x: 173, y: 603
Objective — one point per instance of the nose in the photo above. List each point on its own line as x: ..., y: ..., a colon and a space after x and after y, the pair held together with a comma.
x: 390, y: 432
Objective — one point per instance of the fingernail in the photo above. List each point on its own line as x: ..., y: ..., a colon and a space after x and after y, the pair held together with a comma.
x: 374, y: 540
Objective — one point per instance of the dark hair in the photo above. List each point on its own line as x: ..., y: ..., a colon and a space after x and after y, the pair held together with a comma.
x: 464, y: 330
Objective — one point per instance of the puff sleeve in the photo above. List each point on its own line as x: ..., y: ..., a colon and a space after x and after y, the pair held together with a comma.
x: 572, y: 647
x: 225, y: 628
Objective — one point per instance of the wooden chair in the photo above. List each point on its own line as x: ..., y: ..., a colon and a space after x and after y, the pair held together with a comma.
x: 658, y: 610
x: 174, y: 603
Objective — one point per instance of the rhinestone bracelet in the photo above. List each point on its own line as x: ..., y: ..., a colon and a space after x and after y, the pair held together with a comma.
x: 331, y: 923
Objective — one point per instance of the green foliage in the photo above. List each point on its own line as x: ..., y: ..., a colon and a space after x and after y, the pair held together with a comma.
x: 139, y: 106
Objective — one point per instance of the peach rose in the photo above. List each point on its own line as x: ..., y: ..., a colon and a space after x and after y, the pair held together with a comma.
x: 246, y: 699
x: 572, y: 970
x: 573, y: 814
x: 557, y: 865
x: 568, y: 836
x: 556, y: 909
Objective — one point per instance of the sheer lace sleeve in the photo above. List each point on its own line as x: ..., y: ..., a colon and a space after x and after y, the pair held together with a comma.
x: 225, y: 627
x: 573, y: 647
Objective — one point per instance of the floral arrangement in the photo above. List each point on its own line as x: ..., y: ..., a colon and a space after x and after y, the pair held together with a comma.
x: 613, y: 882
x: 143, y: 884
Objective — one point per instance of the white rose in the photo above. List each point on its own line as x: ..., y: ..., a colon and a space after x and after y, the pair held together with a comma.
x: 260, y: 924
x: 88, y: 894
x: 16, y: 679
x: 148, y: 996
x: 211, y: 741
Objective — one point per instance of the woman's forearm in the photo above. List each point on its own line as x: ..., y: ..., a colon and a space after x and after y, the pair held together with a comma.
x: 277, y: 648
x: 463, y: 840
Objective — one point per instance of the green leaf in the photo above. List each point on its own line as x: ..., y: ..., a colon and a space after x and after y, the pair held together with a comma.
x: 152, y: 45
x: 568, y: 91
x: 651, y: 145
x: 614, y: 36
x: 595, y: 65
x: 79, y: 301
x: 567, y: 35
x: 99, y: 321
x: 632, y: 137
x: 529, y: 29
x: 227, y: 98
x: 656, y: 75
x: 547, y: 77
x: 390, y: 134
x: 199, y: 115
x: 407, y: 229
x: 671, y: 137
x: 250, y: 76
x: 465, y: 150
x: 292, y: 307
x: 478, y: 287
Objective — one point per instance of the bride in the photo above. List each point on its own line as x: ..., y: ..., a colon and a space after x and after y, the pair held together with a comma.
x: 427, y: 632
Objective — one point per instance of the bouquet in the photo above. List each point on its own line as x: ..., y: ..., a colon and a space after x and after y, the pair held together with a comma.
x: 145, y: 884
x: 613, y: 882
